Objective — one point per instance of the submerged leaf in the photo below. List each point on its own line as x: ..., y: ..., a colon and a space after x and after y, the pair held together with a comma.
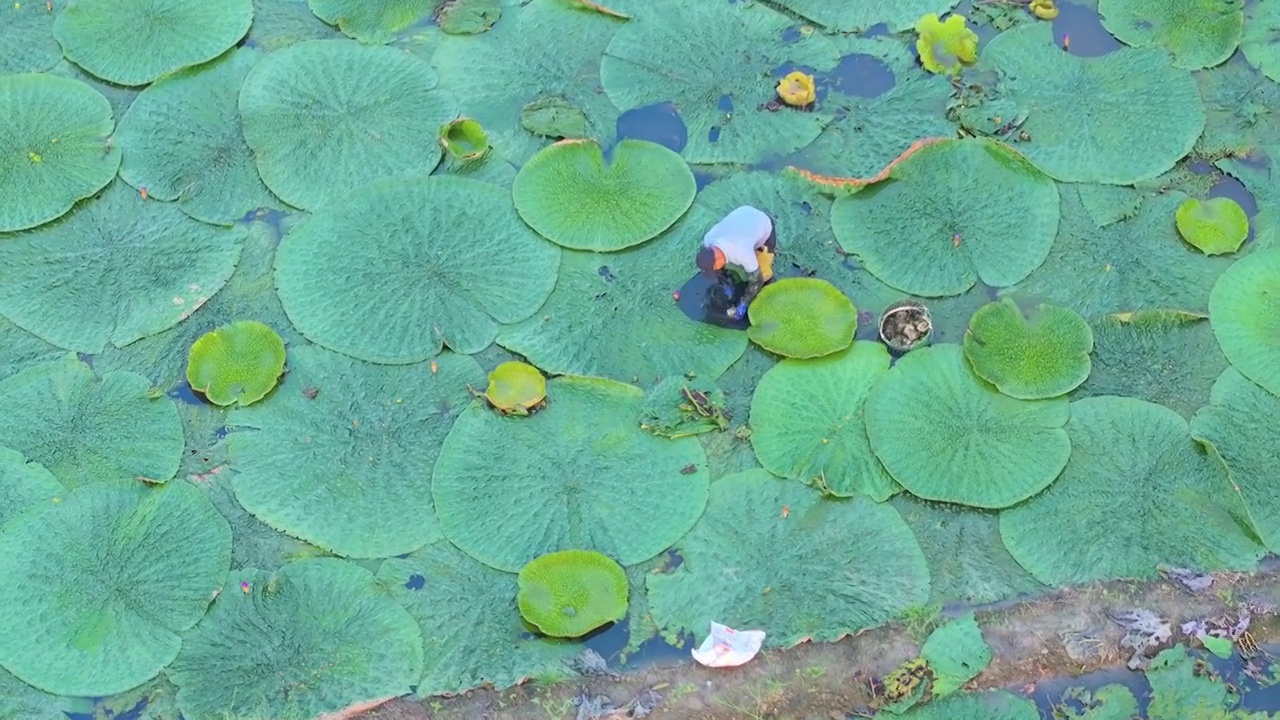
x: 99, y: 585
x: 802, y: 318
x: 116, y: 269
x: 132, y: 42
x: 182, y: 140
x: 313, y: 638
x: 372, y: 22
x: 326, y: 116
x: 572, y: 197
x: 55, y: 149
x: 1136, y: 493
x: 750, y: 562
x: 947, y: 435
x: 1029, y: 354
x: 806, y: 422
x: 442, y: 261
x: 359, y: 449
x: 587, y: 477
x: 1215, y: 226
x: 569, y: 593
x: 1198, y: 33
x: 236, y: 363
x: 83, y: 428
x: 467, y: 17
x: 1244, y: 310
x: 945, y: 47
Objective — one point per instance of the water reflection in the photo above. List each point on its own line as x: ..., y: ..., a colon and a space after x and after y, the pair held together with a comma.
x: 660, y: 123
x: 1088, y: 37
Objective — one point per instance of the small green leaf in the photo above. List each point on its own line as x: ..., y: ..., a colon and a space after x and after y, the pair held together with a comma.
x: 1215, y: 226
x: 945, y: 47
x: 516, y: 387
x: 553, y: 117
x: 802, y: 318
x: 572, y: 592
x: 1041, y: 353
x: 236, y: 363
x: 957, y: 653
x: 1220, y: 646
x: 372, y: 22
x: 464, y: 140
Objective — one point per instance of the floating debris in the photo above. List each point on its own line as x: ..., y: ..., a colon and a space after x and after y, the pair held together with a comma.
x: 1144, y: 630
x: 1189, y: 580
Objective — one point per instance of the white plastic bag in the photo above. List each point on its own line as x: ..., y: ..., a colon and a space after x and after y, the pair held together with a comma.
x: 726, y: 647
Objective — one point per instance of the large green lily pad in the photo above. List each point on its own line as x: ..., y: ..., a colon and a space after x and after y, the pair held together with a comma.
x: 281, y: 23
x: 1243, y: 111
x: 952, y: 214
x: 802, y: 318
x: 496, y: 74
x: 442, y: 260
x: 573, y: 198
x: 612, y: 314
x: 569, y: 593
x: 806, y: 422
x: 349, y: 470
x: 1138, y: 263
x: 1214, y: 226
x: 372, y: 22
x: 1135, y: 494
x: 26, y: 37
x: 132, y: 42
x: 805, y: 567
x: 236, y: 363
x: 472, y: 633
x: 1164, y: 356
x: 20, y: 700
x: 1261, y: 30
x: 1035, y: 353
x: 1240, y: 426
x: 992, y: 705
x: 99, y: 585
x: 587, y: 477
x: 20, y: 349
x: 24, y: 485
x: 313, y: 638
x: 116, y: 269
x: 1198, y: 33
x: 84, y: 428
x: 968, y: 562
x: 1180, y: 690
x: 182, y: 140
x: 1244, y: 310
x: 947, y: 435
x: 693, y: 54
x: 326, y: 116
x: 54, y: 151
x: 864, y: 14
x: 1119, y: 118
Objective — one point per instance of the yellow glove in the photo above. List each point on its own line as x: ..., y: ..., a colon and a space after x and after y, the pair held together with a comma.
x: 765, y: 258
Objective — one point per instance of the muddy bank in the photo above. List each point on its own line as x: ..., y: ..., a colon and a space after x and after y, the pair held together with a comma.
x: 1067, y: 632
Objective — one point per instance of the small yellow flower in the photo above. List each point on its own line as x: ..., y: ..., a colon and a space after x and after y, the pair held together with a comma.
x: 797, y: 89
x: 1043, y: 9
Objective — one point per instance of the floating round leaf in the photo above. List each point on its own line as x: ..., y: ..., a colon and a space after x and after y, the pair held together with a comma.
x: 861, y: 16
x: 182, y: 140
x: 54, y: 150
x: 572, y: 592
x: 802, y: 318
x: 464, y: 139
x: 20, y: 700
x: 1136, y: 493
x: 342, y: 454
x: 1029, y: 354
x: 1119, y: 118
x: 692, y: 56
x: 471, y: 632
x: 26, y: 37
x: 945, y: 47
x: 516, y: 387
x: 326, y: 116
x: 573, y: 198
x: 1244, y: 310
x: 1215, y: 226
x: 953, y: 213
x: 806, y: 422
x: 947, y: 435
x: 24, y: 484
x: 992, y: 705
x: 132, y: 42
x: 1138, y: 263
x: 468, y: 17
x: 1199, y: 33
x: 822, y: 569
x: 236, y: 363
x: 1240, y: 425
x: 99, y: 585
x: 587, y: 477
x: 442, y: 260
x: 310, y: 640
x: 372, y: 22
x: 554, y: 118
x: 83, y: 428
x: 115, y: 269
